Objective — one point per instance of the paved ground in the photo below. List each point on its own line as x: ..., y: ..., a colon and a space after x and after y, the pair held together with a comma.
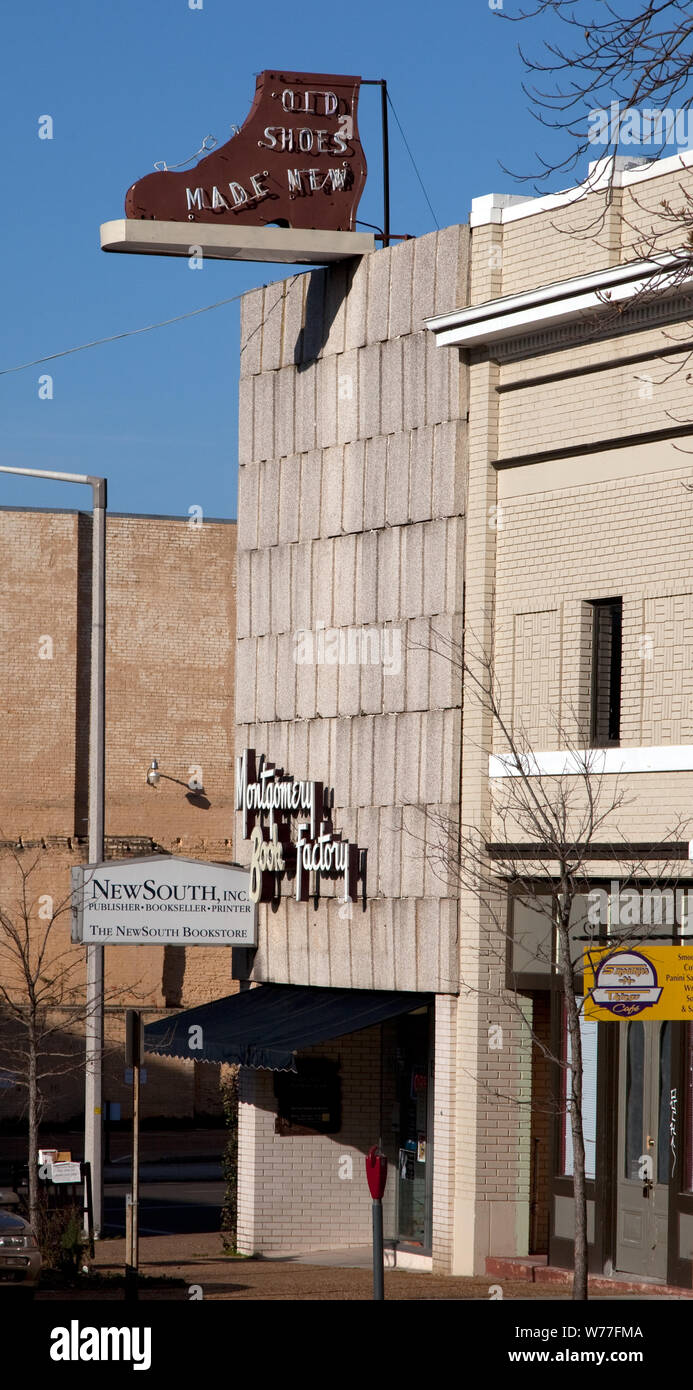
x: 166, y: 1207
x: 197, y: 1259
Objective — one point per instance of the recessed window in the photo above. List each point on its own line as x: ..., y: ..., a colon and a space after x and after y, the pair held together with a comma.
x: 605, y: 685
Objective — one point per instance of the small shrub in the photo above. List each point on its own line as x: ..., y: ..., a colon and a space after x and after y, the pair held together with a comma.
x: 61, y: 1239
x: 229, y: 1162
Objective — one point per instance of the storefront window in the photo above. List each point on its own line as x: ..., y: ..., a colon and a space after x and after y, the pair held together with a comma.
x: 588, y: 1036
x: 413, y: 1154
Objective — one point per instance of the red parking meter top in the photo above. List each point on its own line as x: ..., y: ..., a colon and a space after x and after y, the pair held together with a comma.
x: 376, y: 1172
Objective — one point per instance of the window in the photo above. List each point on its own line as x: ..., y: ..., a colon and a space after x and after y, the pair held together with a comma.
x: 605, y: 680
x: 533, y: 958
x: 589, y: 1037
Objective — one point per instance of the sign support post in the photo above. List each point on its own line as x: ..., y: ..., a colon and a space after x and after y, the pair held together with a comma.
x: 93, y: 1106
x: 93, y: 1133
x: 133, y: 1058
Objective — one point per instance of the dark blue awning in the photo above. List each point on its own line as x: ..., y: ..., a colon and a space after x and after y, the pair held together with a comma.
x: 267, y: 1025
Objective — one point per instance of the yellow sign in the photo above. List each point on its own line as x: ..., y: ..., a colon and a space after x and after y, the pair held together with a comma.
x: 639, y: 981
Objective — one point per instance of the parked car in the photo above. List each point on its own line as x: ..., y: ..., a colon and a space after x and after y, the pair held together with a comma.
x: 20, y: 1257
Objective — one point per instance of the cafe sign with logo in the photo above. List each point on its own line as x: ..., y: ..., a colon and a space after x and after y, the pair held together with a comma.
x: 638, y: 982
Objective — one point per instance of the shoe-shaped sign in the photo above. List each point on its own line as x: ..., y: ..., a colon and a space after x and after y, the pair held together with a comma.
x: 296, y: 161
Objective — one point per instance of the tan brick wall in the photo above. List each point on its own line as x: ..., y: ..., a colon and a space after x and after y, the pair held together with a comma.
x: 170, y: 623
x: 587, y: 233
x: 620, y: 400
x: 637, y: 541
x: 170, y: 682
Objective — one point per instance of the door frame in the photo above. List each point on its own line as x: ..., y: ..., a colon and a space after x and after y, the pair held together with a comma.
x: 602, y: 1189
x: 680, y: 1267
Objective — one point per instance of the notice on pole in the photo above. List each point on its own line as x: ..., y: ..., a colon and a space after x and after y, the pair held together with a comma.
x: 66, y: 1172
x: 162, y: 900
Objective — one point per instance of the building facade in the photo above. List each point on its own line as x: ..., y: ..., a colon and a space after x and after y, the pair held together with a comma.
x: 578, y: 582
x: 170, y: 621
x: 351, y: 530
x: 463, y: 432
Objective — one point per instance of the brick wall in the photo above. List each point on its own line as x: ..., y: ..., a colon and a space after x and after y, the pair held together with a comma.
x: 543, y: 538
x: 170, y: 620
x: 170, y: 604
x: 290, y: 1192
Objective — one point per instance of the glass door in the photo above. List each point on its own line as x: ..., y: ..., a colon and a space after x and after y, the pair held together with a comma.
x: 414, y: 1155
x: 644, y: 1148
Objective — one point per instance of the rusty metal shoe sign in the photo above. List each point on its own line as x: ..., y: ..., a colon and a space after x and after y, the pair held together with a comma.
x: 297, y: 161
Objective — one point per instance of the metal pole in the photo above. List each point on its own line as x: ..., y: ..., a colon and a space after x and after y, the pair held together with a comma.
x: 93, y: 1106
x: 382, y: 84
x: 378, y: 1256
x: 136, y: 1157
x: 386, y: 165
x: 93, y: 1145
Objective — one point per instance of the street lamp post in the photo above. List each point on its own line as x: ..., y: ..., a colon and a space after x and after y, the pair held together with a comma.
x: 93, y: 1127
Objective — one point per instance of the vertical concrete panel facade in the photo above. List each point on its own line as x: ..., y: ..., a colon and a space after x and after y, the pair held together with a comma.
x: 366, y: 560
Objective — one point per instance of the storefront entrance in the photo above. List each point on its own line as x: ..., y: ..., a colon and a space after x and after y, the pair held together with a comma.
x: 643, y: 1148
x: 638, y: 1121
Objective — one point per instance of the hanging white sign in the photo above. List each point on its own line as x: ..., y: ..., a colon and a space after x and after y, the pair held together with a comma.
x: 162, y: 900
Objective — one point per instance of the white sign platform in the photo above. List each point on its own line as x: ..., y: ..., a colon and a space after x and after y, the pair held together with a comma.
x: 285, y: 245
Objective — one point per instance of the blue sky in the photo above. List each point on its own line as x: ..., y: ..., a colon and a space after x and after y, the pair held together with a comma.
x: 127, y: 84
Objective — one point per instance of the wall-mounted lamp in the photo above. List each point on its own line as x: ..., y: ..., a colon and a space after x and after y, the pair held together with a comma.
x: 194, y: 783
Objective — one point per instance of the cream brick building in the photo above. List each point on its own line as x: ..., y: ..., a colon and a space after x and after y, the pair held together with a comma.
x: 578, y: 516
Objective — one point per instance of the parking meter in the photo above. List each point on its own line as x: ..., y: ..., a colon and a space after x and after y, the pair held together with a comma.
x: 376, y: 1172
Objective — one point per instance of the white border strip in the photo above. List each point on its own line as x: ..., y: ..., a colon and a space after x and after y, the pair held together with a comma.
x: 509, y: 207
x: 561, y: 302
x: 673, y: 758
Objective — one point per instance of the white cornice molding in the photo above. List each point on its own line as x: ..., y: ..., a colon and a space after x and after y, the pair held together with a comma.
x: 630, y: 169
x: 582, y: 762
x: 564, y: 301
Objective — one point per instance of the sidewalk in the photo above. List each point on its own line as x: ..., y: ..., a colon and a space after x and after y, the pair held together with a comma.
x: 198, y: 1260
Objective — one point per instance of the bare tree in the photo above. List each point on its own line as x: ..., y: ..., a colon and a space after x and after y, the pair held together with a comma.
x: 610, y: 79
x: 612, y: 56
x: 538, y: 839
x: 42, y: 995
